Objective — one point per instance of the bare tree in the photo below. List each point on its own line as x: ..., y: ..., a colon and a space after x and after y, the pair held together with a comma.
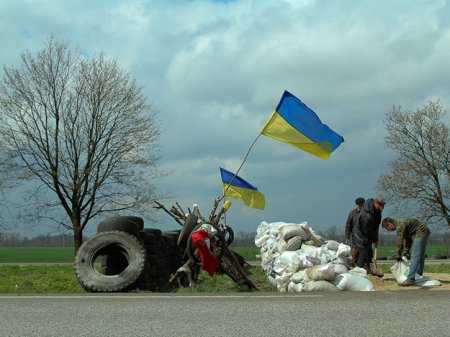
x: 419, y: 177
x: 82, y: 131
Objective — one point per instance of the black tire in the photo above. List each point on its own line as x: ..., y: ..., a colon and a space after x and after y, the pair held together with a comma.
x: 128, y: 224
x: 154, y: 231
x: 105, y: 243
x: 189, y: 225
x: 229, y: 236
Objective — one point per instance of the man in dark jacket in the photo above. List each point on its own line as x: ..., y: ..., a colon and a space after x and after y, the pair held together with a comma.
x: 365, y: 231
x: 411, y: 234
x: 351, y: 219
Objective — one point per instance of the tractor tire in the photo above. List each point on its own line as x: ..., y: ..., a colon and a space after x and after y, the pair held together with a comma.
x: 128, y: 224
x: 102, y: 244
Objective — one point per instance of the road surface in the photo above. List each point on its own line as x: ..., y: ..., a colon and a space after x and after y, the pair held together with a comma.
x: 402, y: 313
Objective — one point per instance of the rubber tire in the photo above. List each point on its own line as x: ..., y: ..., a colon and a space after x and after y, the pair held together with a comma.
x: 128, y: 224
x: 100, y: 244
x: 185, y: 232
x: 230, y: 237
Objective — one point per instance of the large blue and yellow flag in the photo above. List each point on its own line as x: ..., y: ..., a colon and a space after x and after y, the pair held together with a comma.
x: 294, y: 123
x: 237, y: 188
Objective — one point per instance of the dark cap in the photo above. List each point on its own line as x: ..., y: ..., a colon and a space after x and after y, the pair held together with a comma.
x: 359, y: 201
x: 380, y: 200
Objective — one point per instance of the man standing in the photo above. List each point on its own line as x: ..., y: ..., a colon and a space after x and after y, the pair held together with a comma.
x: 351, y: 219
x: 412, y: 235
x: 365, y: 231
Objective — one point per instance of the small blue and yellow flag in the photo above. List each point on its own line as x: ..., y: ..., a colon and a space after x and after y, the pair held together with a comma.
x: 295, y: 123
x: 237, y: 188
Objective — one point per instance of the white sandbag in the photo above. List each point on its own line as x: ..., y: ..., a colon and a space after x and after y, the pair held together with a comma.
x: 331, y: 244
x: 290, y: 230
x: 319, y: 286
x: 325, y: 254
x: 424, y: 281
x: 305, y: 248
x: 295, y: 287
x: 286, y: 261
x: 343, y: 250
x: 358, y: 271
x: 271, y: 244
x: 341, y: 260
x: 291, y: 261
x: 283, y: 281
x: 281, y: 245
x: 299, y: 276
x: 320, y: 273
x: 353, y: 282
x: 339, y: 269
x: 262, y: 234
x: 303, y: 260
x: 294, y: 243
x: 266, y: 230
x: 275, y: 228
x: 400, y: 271
x: 272, y: 281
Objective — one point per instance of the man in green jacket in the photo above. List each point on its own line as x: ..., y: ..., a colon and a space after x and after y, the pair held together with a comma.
x: 412, y: 236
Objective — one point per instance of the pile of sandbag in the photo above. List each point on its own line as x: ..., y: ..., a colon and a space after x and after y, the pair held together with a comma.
x: 297, y: 259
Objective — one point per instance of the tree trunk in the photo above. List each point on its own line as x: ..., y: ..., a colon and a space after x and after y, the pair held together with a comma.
x: 77, y: 234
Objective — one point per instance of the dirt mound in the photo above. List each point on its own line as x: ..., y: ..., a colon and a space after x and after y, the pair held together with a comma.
x: 388, y: 282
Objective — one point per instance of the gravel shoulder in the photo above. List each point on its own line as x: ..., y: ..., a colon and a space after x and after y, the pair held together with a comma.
x: 388, y: 282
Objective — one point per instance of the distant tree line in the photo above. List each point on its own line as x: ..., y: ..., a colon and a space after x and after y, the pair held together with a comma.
x: 8, y: 239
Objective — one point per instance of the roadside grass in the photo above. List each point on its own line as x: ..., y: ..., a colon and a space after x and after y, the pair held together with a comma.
x: 60, y: 279
x: 39, y: 280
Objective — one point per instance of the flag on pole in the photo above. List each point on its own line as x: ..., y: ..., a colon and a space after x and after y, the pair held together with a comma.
x: 295, y: 123
x: 237, y: 188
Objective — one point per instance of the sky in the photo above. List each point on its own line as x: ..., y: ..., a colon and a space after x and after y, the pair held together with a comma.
x: 216, y: 70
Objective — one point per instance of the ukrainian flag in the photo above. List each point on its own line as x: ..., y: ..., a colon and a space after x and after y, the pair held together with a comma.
x: 294, y: 123
x: 237, y: 188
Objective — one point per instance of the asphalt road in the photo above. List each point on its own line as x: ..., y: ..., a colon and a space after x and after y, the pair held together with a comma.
x: 401, y: 313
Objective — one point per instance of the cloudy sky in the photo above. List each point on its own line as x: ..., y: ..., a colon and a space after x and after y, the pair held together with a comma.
x: 216, y: 70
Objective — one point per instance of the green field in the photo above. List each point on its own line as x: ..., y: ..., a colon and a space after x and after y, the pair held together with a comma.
x: 66, y: 254
x: 37, y: 255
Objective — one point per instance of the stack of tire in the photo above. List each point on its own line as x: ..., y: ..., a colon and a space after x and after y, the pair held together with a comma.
x: 124, y: 255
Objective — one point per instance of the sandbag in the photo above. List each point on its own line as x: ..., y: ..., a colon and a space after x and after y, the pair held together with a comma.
x: 332, y: 244
x: 339, y: 269
x: 353, y: 282
x: 423, y: 281
x: 400, y: 271
x: 343, y: 250
x: 293, y: 243
x: 295, y: 287
x: 300, y: 276
x: 320, y: 273
x: 290, y: 230
x: 319, y: 286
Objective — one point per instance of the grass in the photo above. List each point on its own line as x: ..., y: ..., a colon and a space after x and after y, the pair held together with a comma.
x: 37, y: 254
x: 60, y: 279
x: 66, y: 254
x: 38, y: 280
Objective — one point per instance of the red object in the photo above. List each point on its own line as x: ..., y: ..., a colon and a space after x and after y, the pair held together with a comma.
x: 209, y: 261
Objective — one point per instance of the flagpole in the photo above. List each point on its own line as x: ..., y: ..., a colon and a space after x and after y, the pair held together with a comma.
x: 245, y: 158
